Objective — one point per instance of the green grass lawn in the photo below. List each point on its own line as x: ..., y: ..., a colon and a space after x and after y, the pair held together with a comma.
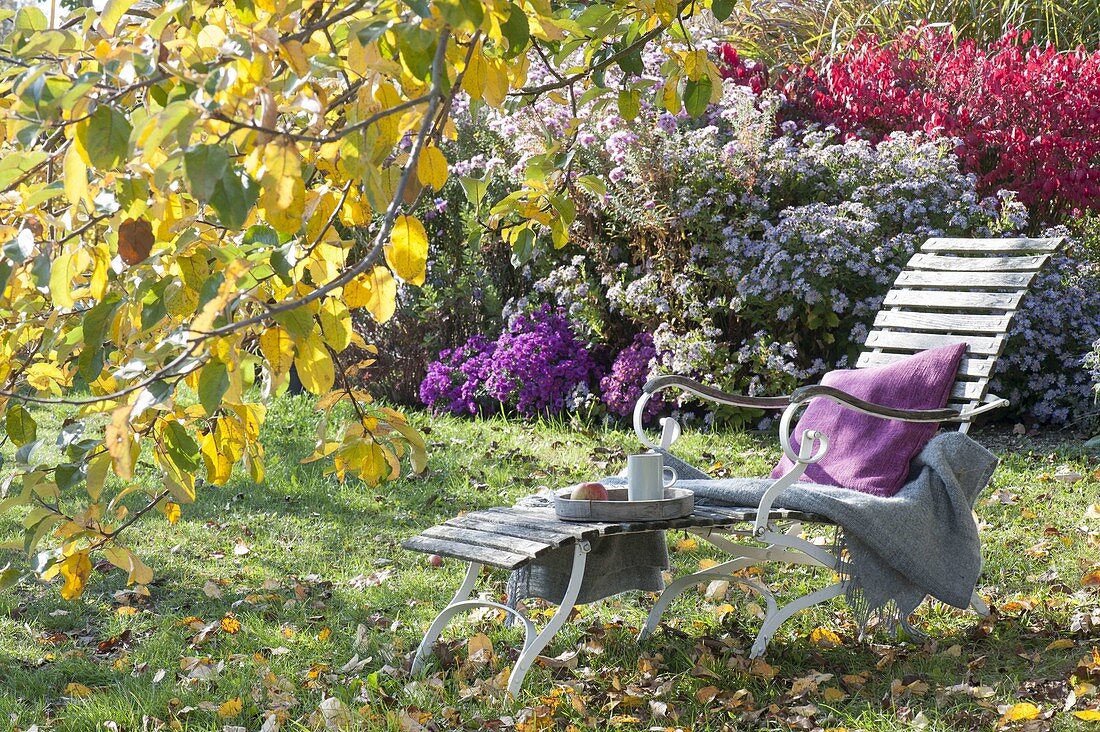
x: 329, y: 606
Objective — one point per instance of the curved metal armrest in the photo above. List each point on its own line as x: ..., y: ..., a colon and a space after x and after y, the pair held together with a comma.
x: 711, y: 394
x: 700, y: 390
x: 992, y: 401
x: 807, y: 393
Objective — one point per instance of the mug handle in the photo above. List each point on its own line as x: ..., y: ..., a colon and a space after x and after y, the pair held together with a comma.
x: 673, y: 479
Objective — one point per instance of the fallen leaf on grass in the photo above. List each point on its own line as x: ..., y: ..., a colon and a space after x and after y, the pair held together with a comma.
x: 479, y: 648
x: 77, y: 690
x: 1060, y: 644
x: 231, y: 708
x: 230, y: 624
x: 899, y: 688
x: 1022, y: 712
x: 685, y: 544
x: 211, y: 590
x: 240, y: 549
x: 833, y: 695
x: 824, y: 638
x: 763, y: 669
x: 568, y: 660
x: 1067, y: 474
x: 717, y: 590
x: 1092, y: 579
x: 1088, y: 715
x: 334, y: 714
x: 706, y: 694
x: 808, y: 684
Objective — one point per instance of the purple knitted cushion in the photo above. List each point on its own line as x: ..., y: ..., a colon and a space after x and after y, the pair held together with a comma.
x: 872, y: 454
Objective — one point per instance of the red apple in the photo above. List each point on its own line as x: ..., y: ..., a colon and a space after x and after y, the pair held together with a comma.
x: 436, y: 560
x: 589, y: 492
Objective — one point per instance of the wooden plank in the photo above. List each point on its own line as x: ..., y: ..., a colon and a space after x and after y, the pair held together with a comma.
x: 940, y: 263
x: 912, y: 342
x: 543, y: 519
x: 969, y: 389
x: 479, y: 523
x: 1018, y: 245
x: 946, y: 300
x: 496, y: 541
x: 467, y: 552
x: 1003, y: 280
x: 943, y: 322
x: 975, y: 367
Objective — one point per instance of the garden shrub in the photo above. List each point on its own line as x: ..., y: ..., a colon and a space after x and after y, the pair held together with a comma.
x: 750, y: 254
x: 536, y: 366
x: 1026, y: 117
x: 1044, y: 366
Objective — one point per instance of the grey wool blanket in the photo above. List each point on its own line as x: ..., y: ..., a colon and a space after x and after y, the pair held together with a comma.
x: 922, y: 541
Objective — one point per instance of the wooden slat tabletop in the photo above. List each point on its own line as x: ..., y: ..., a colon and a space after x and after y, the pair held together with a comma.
x: 511, y: 537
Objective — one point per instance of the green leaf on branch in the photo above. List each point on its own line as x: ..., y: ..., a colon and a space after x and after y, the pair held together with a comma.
x: 213, y: 383
x: 722, y: 9
x: 697, y: 95
x: 204, y: 166
x: 104, y: 138
x: 20, y: 425
x: 516, y: 30
x: 630, y: 103
x: 234, y: 196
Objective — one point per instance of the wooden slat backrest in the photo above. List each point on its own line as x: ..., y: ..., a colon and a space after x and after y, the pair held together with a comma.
x: 958, y: 291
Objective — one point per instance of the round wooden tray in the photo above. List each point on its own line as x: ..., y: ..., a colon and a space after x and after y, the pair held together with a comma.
x: 677, y: 503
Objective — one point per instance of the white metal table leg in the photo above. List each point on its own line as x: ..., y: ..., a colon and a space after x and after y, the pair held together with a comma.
x: 531, y: 649
x: 441, y: 620
x: 459, y: 603
x: 776, y: 619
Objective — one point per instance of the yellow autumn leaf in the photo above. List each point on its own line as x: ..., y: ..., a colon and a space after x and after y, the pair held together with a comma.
x: 376, y: 291
x: 218, y: 465
x: 314, y: 364
x: 277, y: 347
x: 282, y: 190
x: 1088, y: 715
x: 75, y: 173
x: 231, y: 708
x: 324, y: 634
x: 137, y: 571
x: 478, y: 644
x: 824, y: 637
x: 473, y: 78
x: 75, y: 568
x: 431, y: 168
x: 1021, y: 712
x: 45, y: 376
x: 172, y: 512
x: 685, y: 544
x: 77, y: 690
x: 230, y: 624
x: 407, y: 251
x: 335, y: 324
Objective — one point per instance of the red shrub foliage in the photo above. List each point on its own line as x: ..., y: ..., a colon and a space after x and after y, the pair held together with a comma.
x: 1027, y: 117
x: 745, y: 71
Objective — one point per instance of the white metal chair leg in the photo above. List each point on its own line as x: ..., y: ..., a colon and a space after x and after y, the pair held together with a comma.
x: 677, y: 588
x: 531, y: 649
x: 774, y: 620
x: 980, y: 606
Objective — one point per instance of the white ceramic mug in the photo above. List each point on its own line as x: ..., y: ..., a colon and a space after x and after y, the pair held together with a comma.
x: 645, y: 477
